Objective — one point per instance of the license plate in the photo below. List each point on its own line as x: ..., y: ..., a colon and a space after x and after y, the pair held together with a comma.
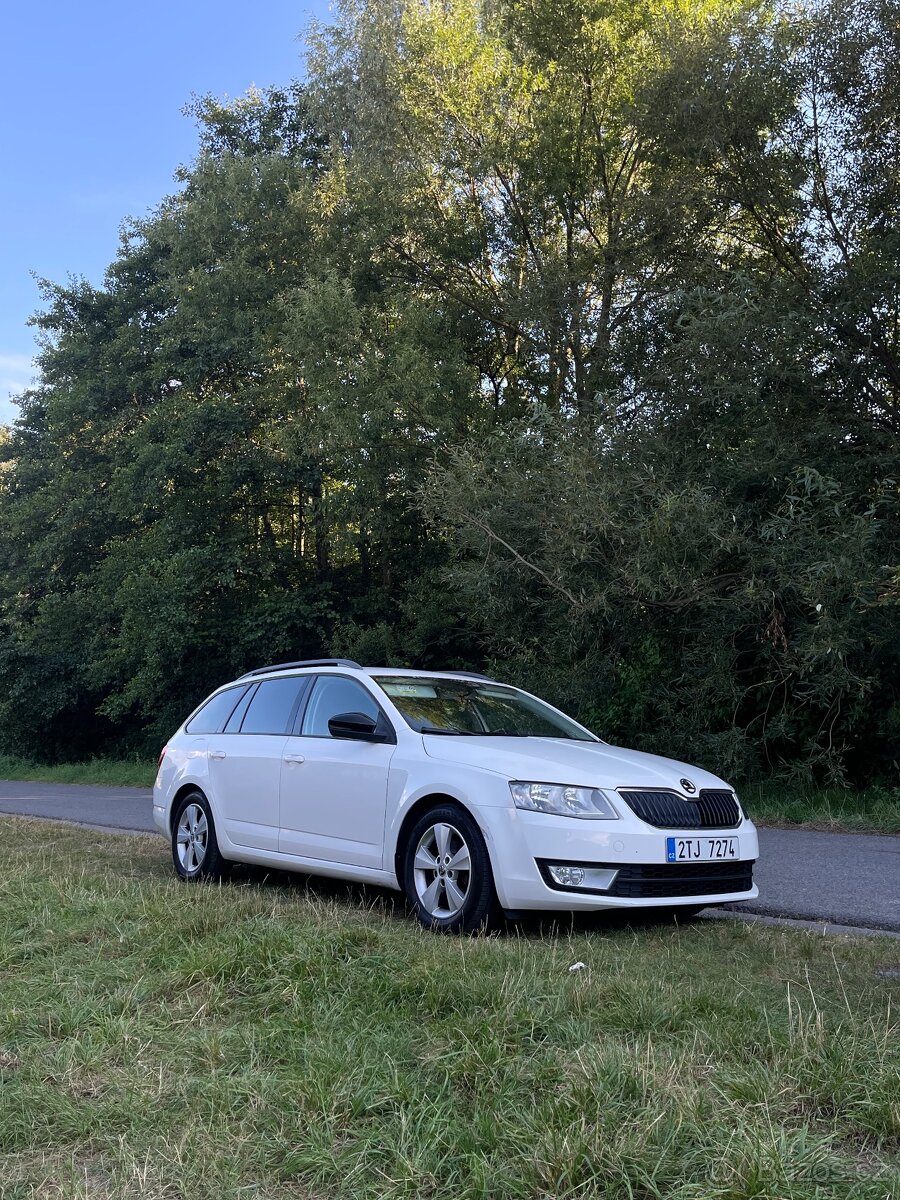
x: 701, y: 849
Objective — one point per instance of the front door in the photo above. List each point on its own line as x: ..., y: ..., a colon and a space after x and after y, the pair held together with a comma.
x: 334, y: 790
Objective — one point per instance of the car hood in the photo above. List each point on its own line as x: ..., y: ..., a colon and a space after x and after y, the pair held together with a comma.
x: 559, y: 760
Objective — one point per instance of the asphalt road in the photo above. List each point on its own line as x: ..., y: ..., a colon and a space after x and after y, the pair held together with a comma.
x: 128, y: 809
x: 841, y: 878
x: 844, y: 878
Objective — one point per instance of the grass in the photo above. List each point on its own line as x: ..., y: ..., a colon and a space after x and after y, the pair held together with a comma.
x: 114, y: 772
x: 274, y: 1039
x: 868, y: 810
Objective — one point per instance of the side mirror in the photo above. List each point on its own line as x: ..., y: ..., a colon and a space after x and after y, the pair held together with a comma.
x: 355, y: 725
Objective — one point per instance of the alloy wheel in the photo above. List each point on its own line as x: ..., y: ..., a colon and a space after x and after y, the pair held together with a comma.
x: 192, y: 838
x: 442, y: 870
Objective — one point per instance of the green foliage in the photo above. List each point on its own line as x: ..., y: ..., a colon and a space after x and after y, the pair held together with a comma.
x: 562, y: 338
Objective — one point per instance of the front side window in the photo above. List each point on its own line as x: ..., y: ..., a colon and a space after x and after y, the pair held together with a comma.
x: 456, y: 706
x: 215, y: 712
x: 274, y: 704
x: 333, y: 695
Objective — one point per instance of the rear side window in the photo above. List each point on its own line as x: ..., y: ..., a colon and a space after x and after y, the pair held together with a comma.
x: 215, y: 712
x: 274, y: 704
x: 234, y: 721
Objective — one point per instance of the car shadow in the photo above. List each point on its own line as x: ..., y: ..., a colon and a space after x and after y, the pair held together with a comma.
x: 394, y: 905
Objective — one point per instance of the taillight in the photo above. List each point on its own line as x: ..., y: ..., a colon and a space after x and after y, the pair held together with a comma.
x: 162, y: 755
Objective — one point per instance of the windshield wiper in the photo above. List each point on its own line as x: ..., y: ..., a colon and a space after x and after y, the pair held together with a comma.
x: 454, y: 732
x: 505, y: 733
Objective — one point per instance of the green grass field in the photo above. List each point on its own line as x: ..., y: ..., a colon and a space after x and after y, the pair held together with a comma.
x: 271, y: 1039
x: 115, y: 772
x: 872, y: 810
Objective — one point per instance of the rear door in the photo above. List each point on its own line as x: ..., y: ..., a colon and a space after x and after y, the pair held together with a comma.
x: 245, y: 761
x: 334, y: 790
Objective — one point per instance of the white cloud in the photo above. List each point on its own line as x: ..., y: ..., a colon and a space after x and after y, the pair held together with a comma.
x: 16, y: 373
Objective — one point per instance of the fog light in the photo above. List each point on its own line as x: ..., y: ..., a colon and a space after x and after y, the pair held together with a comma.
x: 567, y: 876
x: 592, y: 879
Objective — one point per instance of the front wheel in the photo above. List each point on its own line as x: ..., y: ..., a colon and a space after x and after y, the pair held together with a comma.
x: 447, y: 872
x: 195, y: 848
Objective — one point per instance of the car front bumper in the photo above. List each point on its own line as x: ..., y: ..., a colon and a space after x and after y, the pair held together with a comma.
x: 631, y: 853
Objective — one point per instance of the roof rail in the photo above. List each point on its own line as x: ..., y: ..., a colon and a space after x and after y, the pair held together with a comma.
x: 471, y: 675
x: 304, y: 662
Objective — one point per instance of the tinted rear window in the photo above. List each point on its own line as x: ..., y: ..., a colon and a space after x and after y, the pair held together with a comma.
x: 234, y: 721
x: 215, y: 712
x: 271, y: 708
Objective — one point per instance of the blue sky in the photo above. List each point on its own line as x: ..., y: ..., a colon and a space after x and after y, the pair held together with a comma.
x: 92, y: 129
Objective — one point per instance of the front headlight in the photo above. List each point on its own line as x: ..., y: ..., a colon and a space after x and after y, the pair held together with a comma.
x: 563, y: 800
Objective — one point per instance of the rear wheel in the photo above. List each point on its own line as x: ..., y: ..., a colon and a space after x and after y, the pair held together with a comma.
x: 195, y: 849
x: 447, y: 872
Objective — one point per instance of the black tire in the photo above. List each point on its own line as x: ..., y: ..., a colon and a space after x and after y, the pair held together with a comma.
x: 480, y: 908
x: 190, y: 864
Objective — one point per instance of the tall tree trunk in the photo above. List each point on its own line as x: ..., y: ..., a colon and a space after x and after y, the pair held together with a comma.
x: 320, y: 529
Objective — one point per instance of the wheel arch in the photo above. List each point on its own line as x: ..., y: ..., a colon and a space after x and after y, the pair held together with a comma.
x: 422, y: 805
x: 184, y: 790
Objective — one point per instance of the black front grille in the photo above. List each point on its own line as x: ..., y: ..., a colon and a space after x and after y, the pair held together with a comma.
x: 713, y: 809
x: 649, y: 881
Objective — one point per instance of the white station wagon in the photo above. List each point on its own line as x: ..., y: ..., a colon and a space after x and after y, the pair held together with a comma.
x: 472, y: 797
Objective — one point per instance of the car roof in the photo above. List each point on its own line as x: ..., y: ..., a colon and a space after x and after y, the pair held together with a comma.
x: 414, y: 674
x: 342, y: 667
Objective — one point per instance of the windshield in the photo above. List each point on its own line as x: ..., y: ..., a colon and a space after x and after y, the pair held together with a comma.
x: 457, y: 706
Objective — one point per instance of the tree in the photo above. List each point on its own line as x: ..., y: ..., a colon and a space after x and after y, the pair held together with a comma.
x: 562, y: 334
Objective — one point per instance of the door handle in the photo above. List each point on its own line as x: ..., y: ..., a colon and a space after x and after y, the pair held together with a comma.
x: 294, y: 758
x: 217, y: 754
